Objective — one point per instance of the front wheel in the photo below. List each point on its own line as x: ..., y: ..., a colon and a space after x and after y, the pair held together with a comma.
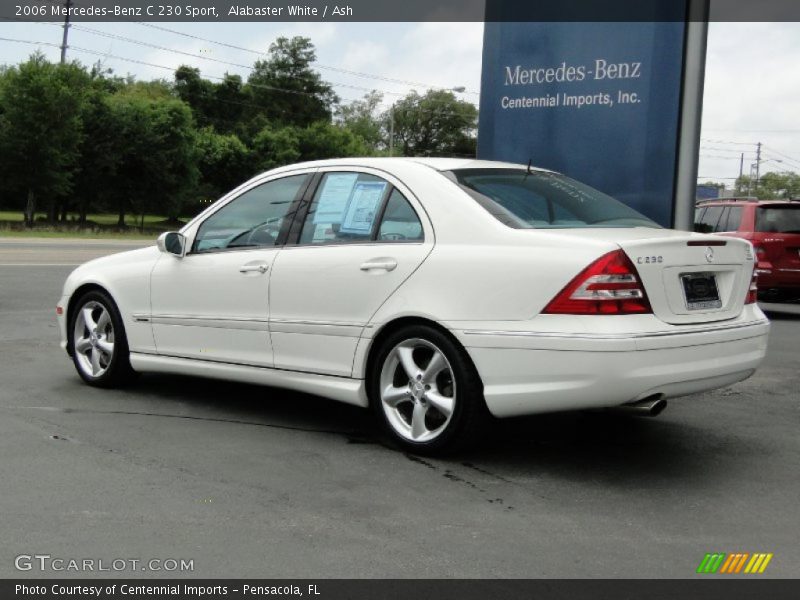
x: 98, y: 342
x: 426, y: 392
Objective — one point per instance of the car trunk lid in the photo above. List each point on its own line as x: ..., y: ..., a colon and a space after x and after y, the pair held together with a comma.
x: 688, y: 278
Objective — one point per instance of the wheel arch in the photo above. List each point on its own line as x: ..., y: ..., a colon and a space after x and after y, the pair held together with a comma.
x: 394, y: 325
x: 73, y: 300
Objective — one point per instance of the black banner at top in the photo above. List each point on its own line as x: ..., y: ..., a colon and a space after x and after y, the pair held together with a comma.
x: 389, y: 10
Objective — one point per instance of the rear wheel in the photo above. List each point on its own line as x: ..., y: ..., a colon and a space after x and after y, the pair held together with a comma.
x: 98, y: 342
x: 426, y: 392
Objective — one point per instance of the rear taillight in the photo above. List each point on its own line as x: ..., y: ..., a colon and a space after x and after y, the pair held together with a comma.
x: 609, y: 286
x: 752, y: 291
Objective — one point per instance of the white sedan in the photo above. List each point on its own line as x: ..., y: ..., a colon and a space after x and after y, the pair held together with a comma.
x: 437, y: 292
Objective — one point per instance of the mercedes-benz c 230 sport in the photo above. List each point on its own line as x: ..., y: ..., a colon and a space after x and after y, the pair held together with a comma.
x: 438, y: 292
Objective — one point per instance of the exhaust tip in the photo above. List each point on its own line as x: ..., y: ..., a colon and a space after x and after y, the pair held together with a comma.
x: 648, y: 407
x: 658, y: 407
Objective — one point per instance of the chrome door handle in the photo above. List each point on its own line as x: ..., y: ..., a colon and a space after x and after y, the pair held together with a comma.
x: 386, y: 264
x: 262, y: 268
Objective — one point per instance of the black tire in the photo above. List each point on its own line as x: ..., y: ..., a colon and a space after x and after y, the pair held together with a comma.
x: 117, y: 370
x: 469, y: 416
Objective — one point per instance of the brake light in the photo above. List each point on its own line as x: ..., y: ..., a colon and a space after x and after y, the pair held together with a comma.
x: 752, y: 291
x: 609, y: 286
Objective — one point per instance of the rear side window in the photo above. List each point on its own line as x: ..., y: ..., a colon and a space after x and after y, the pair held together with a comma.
x: 778, y: 219
x: 709, y: 219
x: 345, y: 209
x: 698, y: 215
x: 399, y: 223
x: 350, y: 208
x: 540, y: 200
x: 733, y: 219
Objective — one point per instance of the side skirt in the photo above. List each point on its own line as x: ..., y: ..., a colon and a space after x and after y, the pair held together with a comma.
x: 342, y: 389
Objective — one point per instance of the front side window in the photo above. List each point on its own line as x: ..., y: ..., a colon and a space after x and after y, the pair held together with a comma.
x: 345, y: 209
x: 252, y: 220
x: 542, y: 200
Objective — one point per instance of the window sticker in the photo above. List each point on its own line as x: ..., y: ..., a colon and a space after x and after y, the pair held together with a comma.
x: 363, y: 207
x: 323, y: 232
x: 334, y: 196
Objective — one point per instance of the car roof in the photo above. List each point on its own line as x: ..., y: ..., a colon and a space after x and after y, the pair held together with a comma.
x: 437, y: 164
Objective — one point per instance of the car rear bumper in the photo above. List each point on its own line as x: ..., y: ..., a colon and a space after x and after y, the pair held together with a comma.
x: 533, y: 372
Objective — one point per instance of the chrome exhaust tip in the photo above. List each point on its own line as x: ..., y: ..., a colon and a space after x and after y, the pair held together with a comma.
x: 648, y: 407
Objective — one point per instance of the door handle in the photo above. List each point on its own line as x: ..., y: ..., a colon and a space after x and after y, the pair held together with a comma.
x: 261, y: 268
x: 386, y: 264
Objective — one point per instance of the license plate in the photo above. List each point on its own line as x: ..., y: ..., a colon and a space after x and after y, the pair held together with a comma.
x: 701, y: 291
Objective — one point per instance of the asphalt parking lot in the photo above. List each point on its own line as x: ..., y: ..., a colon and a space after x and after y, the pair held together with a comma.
x: 257, y: 482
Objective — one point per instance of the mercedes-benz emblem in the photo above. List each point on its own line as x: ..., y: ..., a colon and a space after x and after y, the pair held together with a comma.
x: 709, y: 254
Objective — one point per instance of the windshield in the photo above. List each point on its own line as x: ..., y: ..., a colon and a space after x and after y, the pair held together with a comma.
x: 778, y: 219
x: 541, y: 200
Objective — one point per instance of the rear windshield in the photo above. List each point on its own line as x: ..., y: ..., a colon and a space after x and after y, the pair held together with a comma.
x: 778, y: 219
x: 540, y: 200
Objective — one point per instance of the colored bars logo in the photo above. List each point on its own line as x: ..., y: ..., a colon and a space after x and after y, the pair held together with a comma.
x: 737, y: 562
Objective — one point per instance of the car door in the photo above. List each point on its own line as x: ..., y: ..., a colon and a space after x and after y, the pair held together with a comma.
x: 361, y: 236
x: 213, y: 303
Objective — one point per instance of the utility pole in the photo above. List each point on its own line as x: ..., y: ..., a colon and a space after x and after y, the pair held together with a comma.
x: 391, y: 130
x: 64, y: 45
x: 758, y: 167
x: 741, y: 166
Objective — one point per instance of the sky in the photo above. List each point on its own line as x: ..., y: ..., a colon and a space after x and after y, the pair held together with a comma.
x: 752, y: 86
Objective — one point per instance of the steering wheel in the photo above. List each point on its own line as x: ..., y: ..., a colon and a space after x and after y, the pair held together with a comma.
x: 262, y: 236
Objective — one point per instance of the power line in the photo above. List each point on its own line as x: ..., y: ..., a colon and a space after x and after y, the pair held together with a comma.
x: 216, y: 60
x: 717, y: 149
x: 173, y: 69
x: 728, y: 142
x: 719, y: 156
x: 756, y: 130
x: 208, y: 58
x: 321, y: 66
x: 781, y: 154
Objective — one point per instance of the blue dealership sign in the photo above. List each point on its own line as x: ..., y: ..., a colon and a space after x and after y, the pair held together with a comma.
x: 598, y: 101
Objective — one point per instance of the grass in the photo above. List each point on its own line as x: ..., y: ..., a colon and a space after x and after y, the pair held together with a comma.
x: 98, y: 226
x: 85, y: 234
x: 100, y: 219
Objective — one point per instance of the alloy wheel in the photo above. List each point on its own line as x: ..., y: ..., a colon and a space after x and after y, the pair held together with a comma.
x: 93, y: 337
x: 417, y: 390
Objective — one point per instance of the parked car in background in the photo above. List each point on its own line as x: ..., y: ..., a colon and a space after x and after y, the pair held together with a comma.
x: 773, y: 227
x: 435, y: 291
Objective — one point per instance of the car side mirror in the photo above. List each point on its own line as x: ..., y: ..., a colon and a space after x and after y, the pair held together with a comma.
x: 172, y: 242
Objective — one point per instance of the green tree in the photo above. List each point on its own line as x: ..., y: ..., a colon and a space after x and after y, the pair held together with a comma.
x: 41, y: 130
x: 433, y: 124
x: 779, y: 185
x: 100, y: 150
x: 770, y: 186
x: 363, y: 118
x: 276, y: 147
x: 156, y: 155
x: 223, y: 161
x: 286, y: 89
x: 325, y: 140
